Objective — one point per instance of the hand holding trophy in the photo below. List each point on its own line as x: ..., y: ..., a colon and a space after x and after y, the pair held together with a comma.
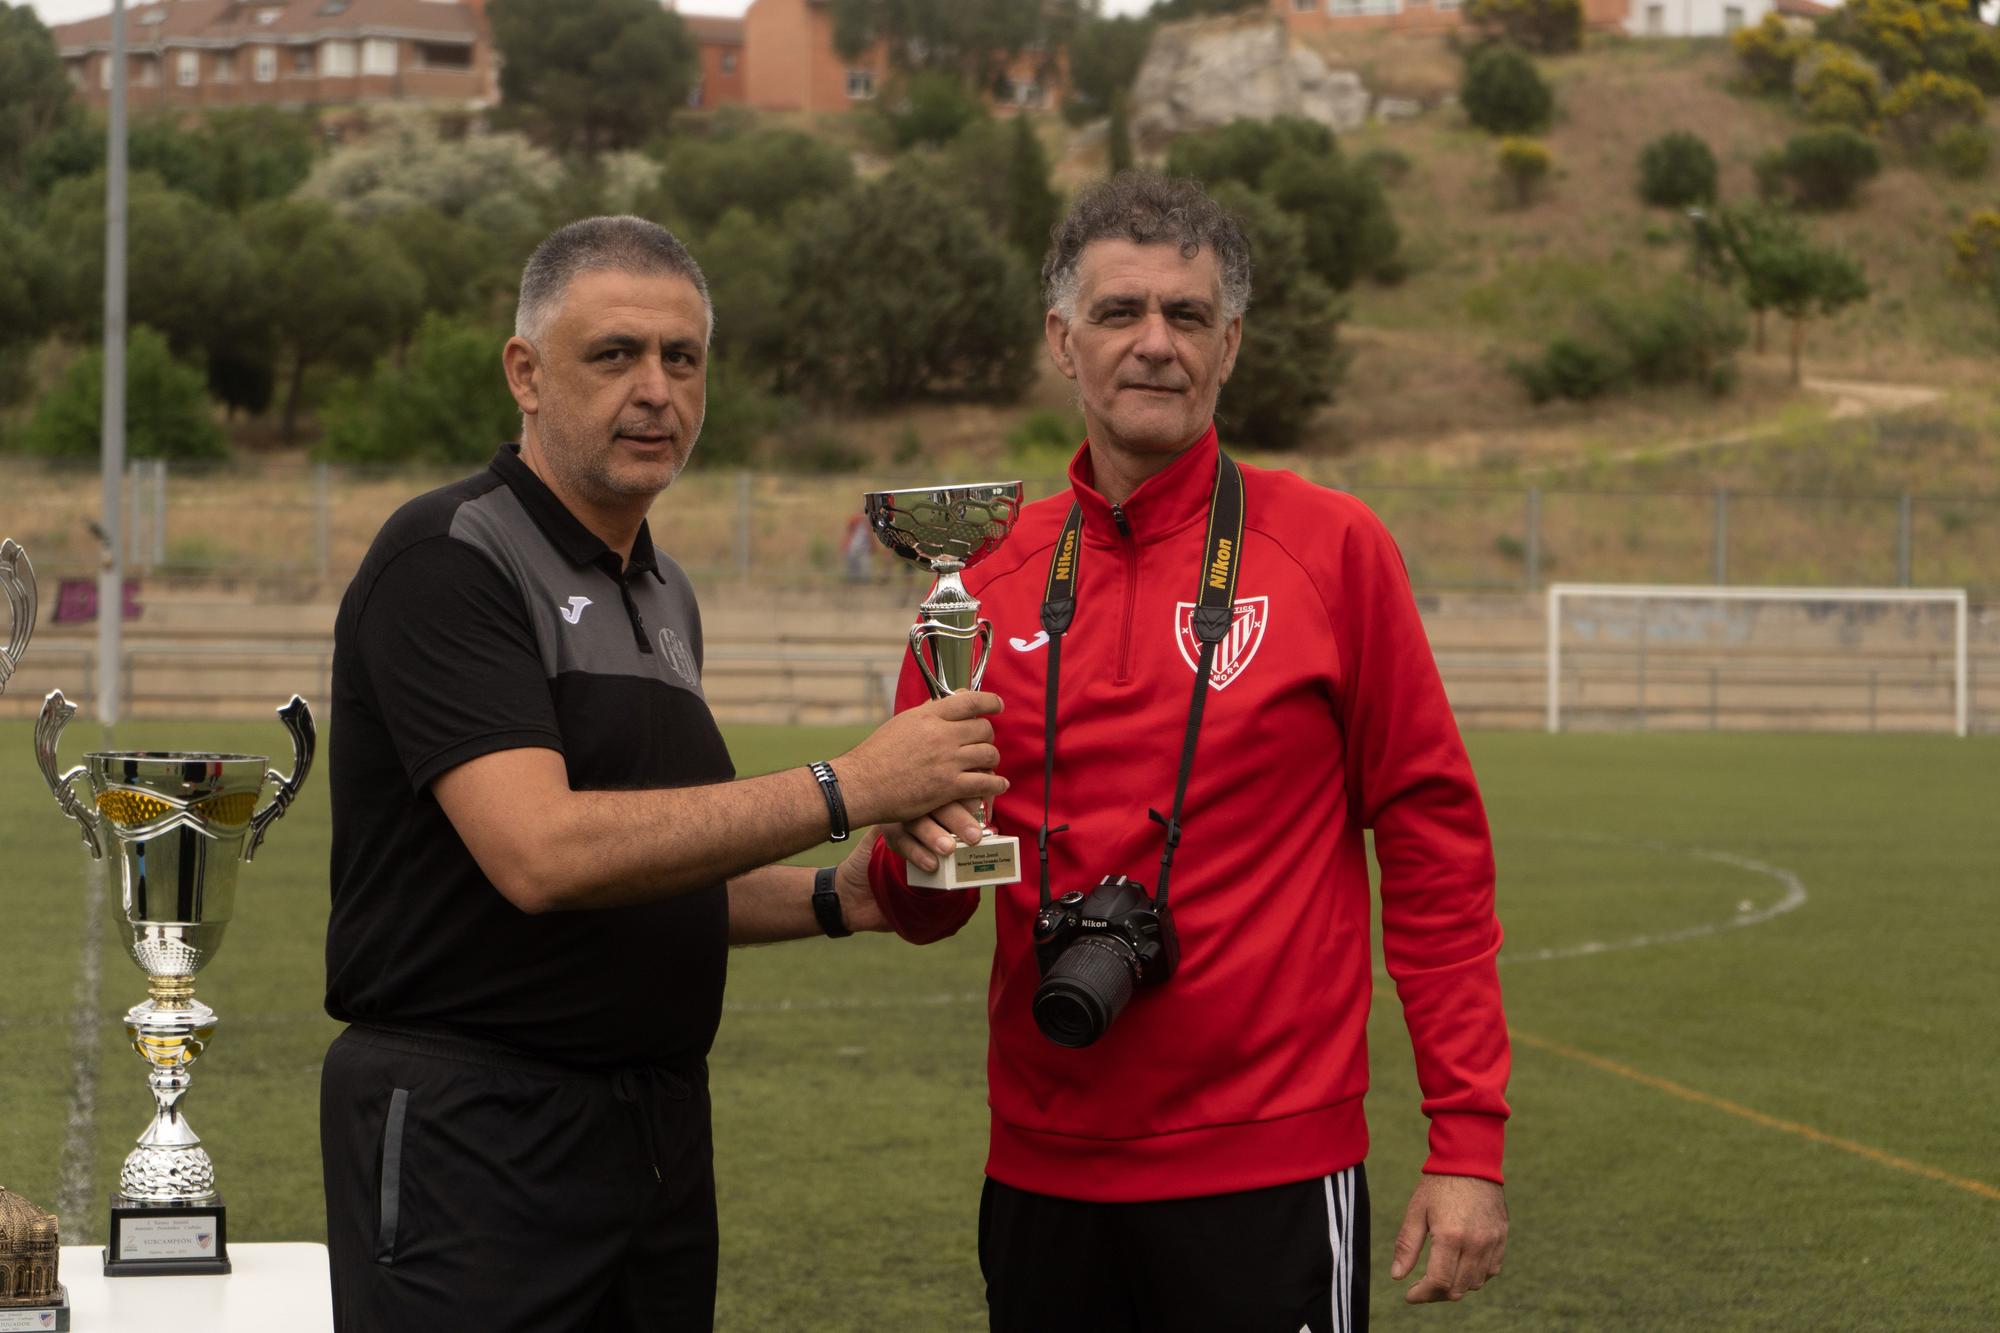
x: 947, y: 530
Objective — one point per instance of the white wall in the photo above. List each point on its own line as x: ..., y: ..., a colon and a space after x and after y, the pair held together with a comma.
x: 1693, y: 18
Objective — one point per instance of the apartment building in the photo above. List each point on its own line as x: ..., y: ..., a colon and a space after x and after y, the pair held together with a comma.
x: 191, y: 54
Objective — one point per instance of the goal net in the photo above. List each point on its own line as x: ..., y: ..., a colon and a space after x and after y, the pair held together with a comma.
x: 1625, y: 657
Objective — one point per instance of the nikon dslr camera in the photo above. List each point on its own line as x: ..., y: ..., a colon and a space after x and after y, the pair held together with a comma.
x: 1093, y: 952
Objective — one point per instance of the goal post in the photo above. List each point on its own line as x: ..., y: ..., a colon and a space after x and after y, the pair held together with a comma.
x: 1830, y: 664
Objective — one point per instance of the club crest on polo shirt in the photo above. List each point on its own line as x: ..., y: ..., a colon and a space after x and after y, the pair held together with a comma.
x: 1233, y: 654
x: 674, y: 651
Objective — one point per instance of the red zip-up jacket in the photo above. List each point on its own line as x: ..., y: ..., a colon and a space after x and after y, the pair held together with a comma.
x: 1325, y: 716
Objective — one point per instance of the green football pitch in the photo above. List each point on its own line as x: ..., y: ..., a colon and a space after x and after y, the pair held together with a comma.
x: 1752, y: 981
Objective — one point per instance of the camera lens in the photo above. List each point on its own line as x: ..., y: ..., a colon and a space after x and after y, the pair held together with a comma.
x: 1084, y: 990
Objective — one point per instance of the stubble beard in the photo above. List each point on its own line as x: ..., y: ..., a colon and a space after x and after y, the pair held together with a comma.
x: 582, y: 461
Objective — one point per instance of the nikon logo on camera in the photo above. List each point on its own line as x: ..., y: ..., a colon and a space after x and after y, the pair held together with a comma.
x: 1218, y: 572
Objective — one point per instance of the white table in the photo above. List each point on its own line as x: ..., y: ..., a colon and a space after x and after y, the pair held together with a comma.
x: 274, y: 1286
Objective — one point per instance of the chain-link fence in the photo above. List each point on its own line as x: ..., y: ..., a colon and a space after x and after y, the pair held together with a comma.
x: 263, y: 520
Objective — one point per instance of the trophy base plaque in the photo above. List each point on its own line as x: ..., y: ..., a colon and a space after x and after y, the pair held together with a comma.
x: 50, y: 1318
x: 992, y: 860
x: 164, y: 1239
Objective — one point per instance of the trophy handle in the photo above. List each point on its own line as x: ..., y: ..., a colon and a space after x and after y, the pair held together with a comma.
x: 982, y: 652
x: 17, y: 577
x: 298, y: 720
x: 926, y: 630
x: 56, y: 713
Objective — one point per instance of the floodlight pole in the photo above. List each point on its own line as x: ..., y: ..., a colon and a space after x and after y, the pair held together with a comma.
x: 110, y: 570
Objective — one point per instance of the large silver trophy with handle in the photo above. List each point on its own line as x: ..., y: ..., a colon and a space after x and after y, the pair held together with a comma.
x: 179, y: 824
x: 947, y: 530
x: 30, y: 1239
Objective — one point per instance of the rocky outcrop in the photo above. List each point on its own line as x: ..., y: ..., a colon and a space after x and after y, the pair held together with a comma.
x: 1202, y: 74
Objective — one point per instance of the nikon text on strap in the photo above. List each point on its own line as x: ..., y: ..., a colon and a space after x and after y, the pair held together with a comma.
x: 1215, y: 608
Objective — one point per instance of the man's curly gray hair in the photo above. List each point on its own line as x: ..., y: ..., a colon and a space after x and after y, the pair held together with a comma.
x: 1147, y: 209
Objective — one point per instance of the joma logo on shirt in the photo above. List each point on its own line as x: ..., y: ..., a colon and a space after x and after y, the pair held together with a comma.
x: 574, y: 611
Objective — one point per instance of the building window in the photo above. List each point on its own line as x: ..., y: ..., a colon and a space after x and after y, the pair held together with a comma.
x: 187, y: 68
x: 442, y: 55
x: 104, y: 71
x: 1732, y: 17
x: 1304, y: 6
x: 1025, y: 93
x: 336, y: 60
x: 378, y: 56
x: 264, y: 66
x: 149, y: 71
x: 1354, y: 8
x: 728, y: 62
x: 860, y: 84
x: 224, y: 70
x: 1656, y: 20
x: 302, y: 60
x: 268, y: 16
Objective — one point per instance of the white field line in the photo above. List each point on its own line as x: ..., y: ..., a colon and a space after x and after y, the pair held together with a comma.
x: 74, y: 1198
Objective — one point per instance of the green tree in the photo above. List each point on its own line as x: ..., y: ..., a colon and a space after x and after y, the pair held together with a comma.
x: 592, y: 74
x: 973, y: 40
x: 446, y: 402
x: 1290, y: 362
x: 1781, y: 269
x: 1676, y: 170
x: 336, y: 294
x: 1348, y: 230
x: 495, y: 182
x: 1548, y: 26
x: 1923, y: 106
x: 1104, y: 59
x: 899, y: 292
x: 1243, y: 150
x: 930, y: 107
x: 1167, y: 10
x: 188, y: 271
x: 34, y: 94
x: 1504, y: 94
x: 763, y: 172
x: 744, y: 260
x: 1825, y: 168
x: 167, y: 414
x: 1768, y: 52
x: 465, y: 270
x: 232, y: 159
x: 1024, y: 208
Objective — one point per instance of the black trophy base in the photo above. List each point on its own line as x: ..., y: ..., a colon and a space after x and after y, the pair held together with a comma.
x: 166, y: 1239
x: 54, y: 1316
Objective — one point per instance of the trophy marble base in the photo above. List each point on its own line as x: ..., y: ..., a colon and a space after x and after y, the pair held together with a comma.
x: 50, y: 1318
x: 164, y: 1239
x: 993, y: 860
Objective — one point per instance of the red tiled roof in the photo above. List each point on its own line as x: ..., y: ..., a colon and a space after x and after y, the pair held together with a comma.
x: 1805, y: 9
x: 231, y: 22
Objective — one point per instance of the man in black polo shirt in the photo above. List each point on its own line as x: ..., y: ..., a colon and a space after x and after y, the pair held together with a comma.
x: 540, y: 852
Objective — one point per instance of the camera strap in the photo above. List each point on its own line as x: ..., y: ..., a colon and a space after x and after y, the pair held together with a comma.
x: 1214, y: 611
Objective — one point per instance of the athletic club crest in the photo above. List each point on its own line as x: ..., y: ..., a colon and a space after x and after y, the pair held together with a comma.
x: 1246, y: 635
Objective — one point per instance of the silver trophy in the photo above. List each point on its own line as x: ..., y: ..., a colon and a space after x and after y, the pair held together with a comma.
x: 179, y: 824
x: 30, y: 1239
x: 947, y: 530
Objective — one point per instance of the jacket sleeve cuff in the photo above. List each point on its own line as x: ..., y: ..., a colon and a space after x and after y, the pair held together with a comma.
x: 1466, y: 1144
x: 921, y: 916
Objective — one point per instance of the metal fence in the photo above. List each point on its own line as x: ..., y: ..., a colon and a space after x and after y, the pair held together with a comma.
x: 263, y: 520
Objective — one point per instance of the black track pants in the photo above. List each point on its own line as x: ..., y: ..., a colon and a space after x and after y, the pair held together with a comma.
x: 470, y: 1188
x: 1288, y: 1259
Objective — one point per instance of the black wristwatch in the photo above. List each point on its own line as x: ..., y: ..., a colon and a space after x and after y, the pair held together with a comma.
x: 826, y: 904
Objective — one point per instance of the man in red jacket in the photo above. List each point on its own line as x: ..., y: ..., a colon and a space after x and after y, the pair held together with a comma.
x: 1217, y: 671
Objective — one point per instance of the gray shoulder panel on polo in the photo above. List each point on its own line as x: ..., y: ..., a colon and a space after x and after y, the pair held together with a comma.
x: 578, y: 616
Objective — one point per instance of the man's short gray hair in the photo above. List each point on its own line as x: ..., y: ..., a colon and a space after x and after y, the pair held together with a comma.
x: 1148, y: 209
x: 623, y: 244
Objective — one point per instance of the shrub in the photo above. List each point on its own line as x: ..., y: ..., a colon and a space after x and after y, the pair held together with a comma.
x: 1825, y: 168
x: 742, y: 414
x: 167, y: 412
x: 1572, y: 367
x: 1524, y: 165
x: 1548, y: 26
x: 763, y: 172
x: 446, y: 403
x: 932, y: 107
x: 1043, y: 433
x: 1348, y: 229
x: 1838, y: 87
x: 1674, y: 334
x: 1963, y: 151
x: 1243, y: 150
x: 1391, y: 166
x: 1503, y: 94
x: 1924, y: 105
x: 1676, y: 170
x: 1976, y: 247
x: 1767, y: 53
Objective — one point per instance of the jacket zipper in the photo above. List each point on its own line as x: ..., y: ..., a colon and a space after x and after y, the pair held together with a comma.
x: 1124, y: 675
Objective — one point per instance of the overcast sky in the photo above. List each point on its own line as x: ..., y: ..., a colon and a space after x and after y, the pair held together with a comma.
x: 68, y: 11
